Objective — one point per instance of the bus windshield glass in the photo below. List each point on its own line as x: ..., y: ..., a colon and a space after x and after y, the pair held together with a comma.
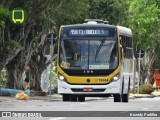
x: 89, y: 54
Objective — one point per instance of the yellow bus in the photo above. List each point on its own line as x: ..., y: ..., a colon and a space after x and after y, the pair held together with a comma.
x: 95, y: 59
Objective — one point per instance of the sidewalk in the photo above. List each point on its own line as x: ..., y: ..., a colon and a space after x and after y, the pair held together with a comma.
x: 153, y: 94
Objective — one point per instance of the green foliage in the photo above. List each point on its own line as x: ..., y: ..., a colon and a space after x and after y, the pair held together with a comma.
x: 146, y: 89
x: 144, y: 20
x: 54, y: 74
x: 12, y: 44
x: 134, y: 91
x: 73, y: 11
x: 112, y: 10
x: 3, y: 78
x: 9, y: 46
x: 41, y: 21
x: 3, y: 14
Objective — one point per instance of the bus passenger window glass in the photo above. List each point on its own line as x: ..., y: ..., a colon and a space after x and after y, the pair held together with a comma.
x: 130, y: 40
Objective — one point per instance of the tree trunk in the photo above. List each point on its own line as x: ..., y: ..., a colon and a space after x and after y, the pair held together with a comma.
x: 14, y: 76
x: 15, y: 70
x: 1, y: 65
x: 35, y: 79
x: 18, y: 72
x: 38, y: 64
x: 10, y: 77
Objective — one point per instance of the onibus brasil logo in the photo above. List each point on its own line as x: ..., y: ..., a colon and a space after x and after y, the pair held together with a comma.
x: 18, y: 15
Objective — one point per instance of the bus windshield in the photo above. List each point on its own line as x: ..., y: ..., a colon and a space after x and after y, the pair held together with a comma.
x: 89, y: 54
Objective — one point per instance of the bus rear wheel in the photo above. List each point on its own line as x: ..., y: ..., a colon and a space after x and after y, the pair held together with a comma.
x: 125, y: 98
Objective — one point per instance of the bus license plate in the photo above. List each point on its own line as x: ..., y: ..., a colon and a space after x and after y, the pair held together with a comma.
x: 88, y: 89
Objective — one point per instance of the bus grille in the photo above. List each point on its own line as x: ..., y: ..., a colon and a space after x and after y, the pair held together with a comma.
x: 81, y: 90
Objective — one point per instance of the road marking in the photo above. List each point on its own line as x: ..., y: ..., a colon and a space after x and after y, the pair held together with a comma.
x: 58, y: 118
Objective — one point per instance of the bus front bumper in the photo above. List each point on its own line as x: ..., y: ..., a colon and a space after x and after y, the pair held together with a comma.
x: 111, y: 88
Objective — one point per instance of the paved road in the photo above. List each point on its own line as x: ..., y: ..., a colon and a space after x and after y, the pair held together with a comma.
x: 138, y: 104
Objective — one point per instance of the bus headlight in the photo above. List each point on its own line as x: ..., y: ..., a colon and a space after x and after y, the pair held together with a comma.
x: 61, y: 77
x: 116, y: 77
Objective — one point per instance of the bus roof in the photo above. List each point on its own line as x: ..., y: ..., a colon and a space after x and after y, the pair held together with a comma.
x: 89, y: 25
x: 124, y: 31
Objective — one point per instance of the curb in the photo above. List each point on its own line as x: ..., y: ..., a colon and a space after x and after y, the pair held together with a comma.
x: 147, y: 96
x: 53, y: 97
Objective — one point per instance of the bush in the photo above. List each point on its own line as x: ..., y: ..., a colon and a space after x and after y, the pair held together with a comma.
x: 146, y: 89
x: 135, y: 90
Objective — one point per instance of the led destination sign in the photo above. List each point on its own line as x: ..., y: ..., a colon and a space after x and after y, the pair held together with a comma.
x: 86, y: 31
x: 90, y: 32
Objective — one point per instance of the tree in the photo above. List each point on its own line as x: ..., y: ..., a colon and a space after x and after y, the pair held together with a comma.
x: 112, y: 10
x: 72, y: 12
x: 145, y: 23
x: 31, y: 44
x: 3, y: 15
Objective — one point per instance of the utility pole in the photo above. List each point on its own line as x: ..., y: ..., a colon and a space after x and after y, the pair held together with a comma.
x: 139, y: 54
x: 51, y: 57
x: 139, y: 68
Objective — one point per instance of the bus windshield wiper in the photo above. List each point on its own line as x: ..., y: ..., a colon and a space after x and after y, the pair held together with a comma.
x: 99, y: 48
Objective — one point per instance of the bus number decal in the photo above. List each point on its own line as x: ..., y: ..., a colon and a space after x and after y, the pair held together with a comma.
x: 101, y: 80
x: 65, y: 65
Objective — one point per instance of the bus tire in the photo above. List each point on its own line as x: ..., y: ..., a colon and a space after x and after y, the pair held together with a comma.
x: 125, y: 98
x: 81, y: 98
x: 117, y: 97
x: 66, y: 97
x: 73, y: 98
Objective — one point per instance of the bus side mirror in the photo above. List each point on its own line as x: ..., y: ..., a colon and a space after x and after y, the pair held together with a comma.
x: 122, y: 51
x: 123, y: 46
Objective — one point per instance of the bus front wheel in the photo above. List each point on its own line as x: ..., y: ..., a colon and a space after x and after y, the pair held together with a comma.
x: 117, y: 97
x: 81, y: 98
x: 73, y: 98
x: 66, y: 97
